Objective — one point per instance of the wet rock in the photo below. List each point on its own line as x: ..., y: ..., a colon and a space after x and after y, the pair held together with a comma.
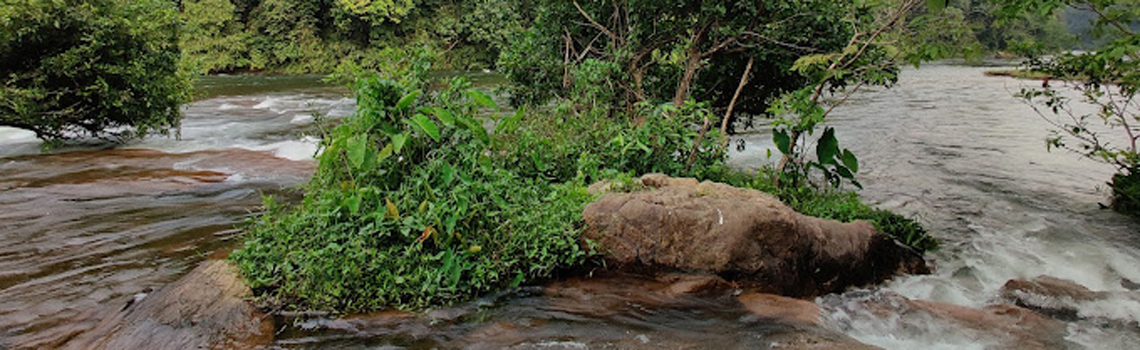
x: 1050, y: 295
x: 376, y: 323
x: 1020, y: 328
x: 804, y: 317
x: 815, y: 340
x: 606, y: 294
x: 1048, y: 286
x: 999, y: 326
x: 689, y: 284
x: 747, y: 235
x: 206, y: 309
x: 781, y: 309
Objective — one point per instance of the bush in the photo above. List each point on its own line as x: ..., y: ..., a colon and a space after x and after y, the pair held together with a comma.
x: 415, y: 203
x: 1126, y: 191
x: 106, y: 68
x: 408, y: 209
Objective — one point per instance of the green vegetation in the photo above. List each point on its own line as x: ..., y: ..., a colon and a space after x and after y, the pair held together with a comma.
x: 302, y: 36
x: 996, y: 31
x: 1108, y: 79
x: 416, y: 204
x: 428, y: 195
x: 86, y: 68
x: 1126, y: 191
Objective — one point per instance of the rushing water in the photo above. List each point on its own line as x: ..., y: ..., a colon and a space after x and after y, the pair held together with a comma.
x: 82, y: 231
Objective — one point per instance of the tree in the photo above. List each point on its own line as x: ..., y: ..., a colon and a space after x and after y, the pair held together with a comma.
x: 996, y: 32
x: 212, y: 38
x: 378, y: 11
x: 739, y: 56
x: 1107, y: 78
x: 884, y: 36
x: 665, y: 48
x: 99, y: 68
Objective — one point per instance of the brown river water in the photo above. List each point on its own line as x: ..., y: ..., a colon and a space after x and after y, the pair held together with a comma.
x: 83, y: 231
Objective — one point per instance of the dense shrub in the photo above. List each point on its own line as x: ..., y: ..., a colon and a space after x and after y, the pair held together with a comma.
x: 416, y: 203
x: 1126, y: 191
x: 106, y: 68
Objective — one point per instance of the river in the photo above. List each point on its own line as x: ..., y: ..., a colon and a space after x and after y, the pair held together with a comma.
x: 82, y: 231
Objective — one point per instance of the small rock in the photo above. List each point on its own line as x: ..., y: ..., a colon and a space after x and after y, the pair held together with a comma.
x: 644, y: 339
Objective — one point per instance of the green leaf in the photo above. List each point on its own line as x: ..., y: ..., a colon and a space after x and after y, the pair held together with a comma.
x: 485, y: 162
x: 407, y: 100
x: 443, y: 115
x: 828, y: 147
x: 390, y: 210
x: 448, y: 174
x: 850, y: 161
x: 482, y: 98
x: 783, y: 141
x: 353, y: 203
x: 385, y: 153
x: 937, y: 5
x: 398, y: 141
x: 844, y: 172
x: 426, y: 126
x: 357, y: 148
x: 476, y: 129
x: 511, y: 123
x: 517, y: 280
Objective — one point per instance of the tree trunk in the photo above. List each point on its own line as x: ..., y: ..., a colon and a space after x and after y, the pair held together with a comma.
x: 735, y: 96
x: 690, y: 72
x: 691, y: 67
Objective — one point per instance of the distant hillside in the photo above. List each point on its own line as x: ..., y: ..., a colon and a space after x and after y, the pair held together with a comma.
x: 1080, y: 23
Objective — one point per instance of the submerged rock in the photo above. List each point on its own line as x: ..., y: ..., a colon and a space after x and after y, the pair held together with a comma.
x: 742, y: 234
x: 998, y: 326
x: 1069, y: 301
x: 808, y: 331
x: 1050, y: 295
x: 206, y: 309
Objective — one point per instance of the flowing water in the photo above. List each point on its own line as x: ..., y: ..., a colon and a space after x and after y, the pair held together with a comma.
x: 82, y: 231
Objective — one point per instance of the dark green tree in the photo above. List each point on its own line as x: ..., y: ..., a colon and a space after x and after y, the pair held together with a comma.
x: 90, y: 68
x: 213, y: 40
x: 675, y: 50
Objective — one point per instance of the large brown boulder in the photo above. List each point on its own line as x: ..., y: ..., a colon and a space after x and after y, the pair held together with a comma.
x: 206, y: 309
x: 746, y: 235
